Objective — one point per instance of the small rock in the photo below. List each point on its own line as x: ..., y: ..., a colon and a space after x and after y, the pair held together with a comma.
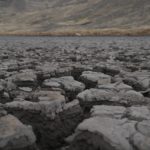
x: 140, y: 141
x: 134, y: 83
x: 107, y: 69
x: 69, y: 85
x: 139, y: 113
x: 131, y: 97
x: 44, y: 95
x: 108, y: 111
x: 15, y: 135
x: 95, y: 95
x: 118, y: 87
x: 144, y: 127
x: 27, y: 78
x: 102, y: 133
x: 51, y: 84
x: 112, y: 127
x: 26, y: 89
x: 91, y: 79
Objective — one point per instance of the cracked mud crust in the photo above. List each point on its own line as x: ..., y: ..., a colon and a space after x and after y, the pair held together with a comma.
x: 74, y: 93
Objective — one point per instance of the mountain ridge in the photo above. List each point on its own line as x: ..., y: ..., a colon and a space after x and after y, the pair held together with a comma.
x: 60, y: 15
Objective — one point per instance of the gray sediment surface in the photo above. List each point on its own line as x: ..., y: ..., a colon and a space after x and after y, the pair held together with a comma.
x: 74, y: 93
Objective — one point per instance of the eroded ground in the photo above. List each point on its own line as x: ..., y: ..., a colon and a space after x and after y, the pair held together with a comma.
x: 78, y: 93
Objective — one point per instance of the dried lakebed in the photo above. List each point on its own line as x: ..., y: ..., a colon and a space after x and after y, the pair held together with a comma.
x: 74, y: 93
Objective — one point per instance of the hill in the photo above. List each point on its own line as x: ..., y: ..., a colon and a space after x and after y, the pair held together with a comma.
x: 32, y: 16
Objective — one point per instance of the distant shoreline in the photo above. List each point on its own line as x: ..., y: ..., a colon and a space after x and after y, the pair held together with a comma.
x: 84, y: 32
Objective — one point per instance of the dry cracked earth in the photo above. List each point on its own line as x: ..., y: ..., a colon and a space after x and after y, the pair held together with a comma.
x: 74, y: 93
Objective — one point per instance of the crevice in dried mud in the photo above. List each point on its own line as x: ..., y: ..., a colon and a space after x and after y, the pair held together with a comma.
x: 96, y: 142
x: 50, y: 134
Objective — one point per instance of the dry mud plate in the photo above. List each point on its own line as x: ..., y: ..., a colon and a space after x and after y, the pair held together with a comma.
x: 74, y: 93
